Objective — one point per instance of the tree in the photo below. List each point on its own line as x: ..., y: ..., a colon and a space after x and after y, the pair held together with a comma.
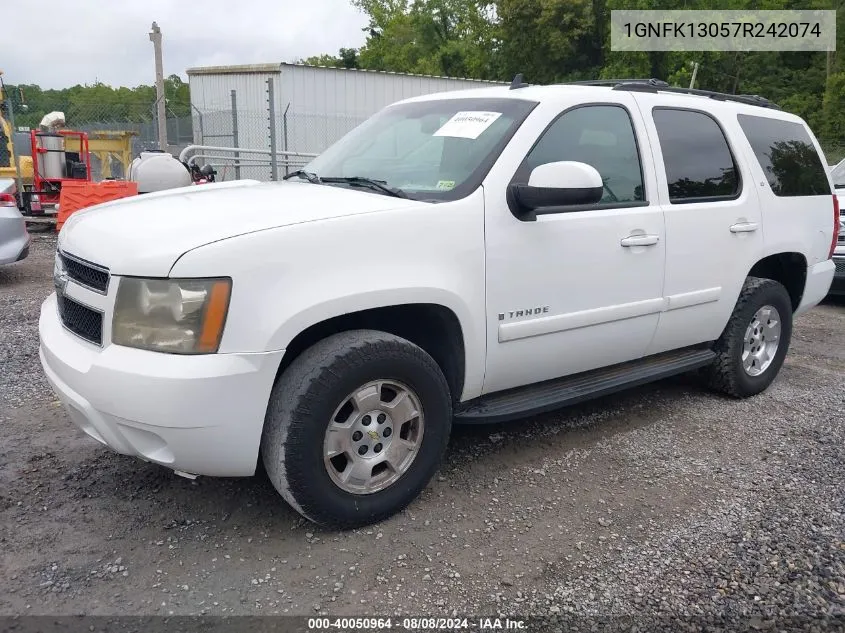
x: 100, y: 103
x: 433, y: 37
x: 346, y: 58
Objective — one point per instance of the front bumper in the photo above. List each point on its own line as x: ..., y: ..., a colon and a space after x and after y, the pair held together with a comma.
x: 197, y: 414
x: 838, y: 285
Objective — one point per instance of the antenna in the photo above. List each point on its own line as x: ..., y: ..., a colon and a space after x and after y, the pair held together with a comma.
x: 517, y: 82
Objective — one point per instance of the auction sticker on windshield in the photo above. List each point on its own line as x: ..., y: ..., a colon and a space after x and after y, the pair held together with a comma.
x: 468, y: 124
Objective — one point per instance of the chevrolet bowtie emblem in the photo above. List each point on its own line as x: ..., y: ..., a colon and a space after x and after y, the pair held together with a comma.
x: 60, y: 278
x: 372, y: 434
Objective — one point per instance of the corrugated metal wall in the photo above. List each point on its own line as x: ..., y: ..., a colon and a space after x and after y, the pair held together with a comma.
x: 211, y: 96
x: 323, y: 104
x: 314, y: 106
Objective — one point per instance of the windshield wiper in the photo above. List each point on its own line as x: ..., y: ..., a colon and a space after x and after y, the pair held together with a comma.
x: 301, y: 173
x: 378, y: 185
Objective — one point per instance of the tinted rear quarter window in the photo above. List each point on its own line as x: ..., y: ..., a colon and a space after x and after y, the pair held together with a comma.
x: 698, y: 162
x: 787, y: 156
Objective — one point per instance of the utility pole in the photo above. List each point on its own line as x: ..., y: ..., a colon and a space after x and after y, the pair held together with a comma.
x: 694, y: 74
x: 161, y: 112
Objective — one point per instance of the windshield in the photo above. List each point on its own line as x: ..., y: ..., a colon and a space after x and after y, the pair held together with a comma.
x: 429, y: 150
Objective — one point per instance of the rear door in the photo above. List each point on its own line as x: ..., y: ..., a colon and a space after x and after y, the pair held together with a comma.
x: 714, y: 228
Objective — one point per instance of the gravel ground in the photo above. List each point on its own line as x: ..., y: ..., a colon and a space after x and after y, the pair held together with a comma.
x: 665, y: 501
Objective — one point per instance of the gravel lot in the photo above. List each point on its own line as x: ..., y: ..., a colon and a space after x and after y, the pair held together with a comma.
x: 666, y: 500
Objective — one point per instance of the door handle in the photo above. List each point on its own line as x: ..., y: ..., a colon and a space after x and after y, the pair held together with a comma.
x: 640, y: 240
x: 744, y: 227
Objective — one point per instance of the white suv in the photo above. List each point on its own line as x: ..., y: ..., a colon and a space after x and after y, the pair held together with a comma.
x: 480, y: 255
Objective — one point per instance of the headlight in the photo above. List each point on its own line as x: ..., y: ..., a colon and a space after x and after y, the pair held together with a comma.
x: 180, y: 316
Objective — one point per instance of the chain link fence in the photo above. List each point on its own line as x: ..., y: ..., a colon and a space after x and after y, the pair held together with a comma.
x: 295, y: 136
x: 119, y: 132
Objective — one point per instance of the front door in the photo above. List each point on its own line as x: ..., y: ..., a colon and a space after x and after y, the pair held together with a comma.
x: 582, y: 287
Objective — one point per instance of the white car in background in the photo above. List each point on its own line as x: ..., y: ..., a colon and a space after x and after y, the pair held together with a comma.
x: 837, y: 175
x: 14, y: 238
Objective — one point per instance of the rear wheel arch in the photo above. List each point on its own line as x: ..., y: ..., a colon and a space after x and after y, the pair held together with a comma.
x: 788, y: 269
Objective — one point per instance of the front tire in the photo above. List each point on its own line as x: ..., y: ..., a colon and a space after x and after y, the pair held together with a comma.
x: 753, y: 346
x: 356, y: 427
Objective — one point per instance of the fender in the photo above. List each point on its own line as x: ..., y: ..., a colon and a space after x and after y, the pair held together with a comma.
x: 287, y: 279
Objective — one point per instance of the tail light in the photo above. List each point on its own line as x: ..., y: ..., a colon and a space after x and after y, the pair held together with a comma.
x: 8, y: 200
x: 835, y: 226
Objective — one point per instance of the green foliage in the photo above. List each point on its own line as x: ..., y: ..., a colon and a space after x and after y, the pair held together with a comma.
x: 346, y: 58
x: 546, y: 40
x: 564, y: 40
x: 98, y: 103
x: 431, y: 37
x: 833, y: 105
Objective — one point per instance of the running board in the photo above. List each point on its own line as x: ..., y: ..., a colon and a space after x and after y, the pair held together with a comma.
x: 554, y: 394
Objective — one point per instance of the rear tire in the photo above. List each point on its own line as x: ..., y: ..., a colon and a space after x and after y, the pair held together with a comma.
x: 342, y: 404
x: 748, y: 359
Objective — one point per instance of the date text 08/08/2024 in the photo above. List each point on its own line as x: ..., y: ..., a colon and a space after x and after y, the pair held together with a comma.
x: 415, y: 624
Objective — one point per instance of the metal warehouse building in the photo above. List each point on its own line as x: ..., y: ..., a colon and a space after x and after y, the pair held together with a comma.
x: 297, y: 108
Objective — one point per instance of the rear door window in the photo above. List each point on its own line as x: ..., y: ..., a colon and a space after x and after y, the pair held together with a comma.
x: 787, y: 156
x: 698, y: 161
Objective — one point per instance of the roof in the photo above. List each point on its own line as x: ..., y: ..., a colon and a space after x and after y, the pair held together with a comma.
x: 555, y: 92
x: 234, y: 70
x: 279, y: 67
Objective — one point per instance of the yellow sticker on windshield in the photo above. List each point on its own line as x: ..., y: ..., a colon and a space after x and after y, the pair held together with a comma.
x: 445, y: 185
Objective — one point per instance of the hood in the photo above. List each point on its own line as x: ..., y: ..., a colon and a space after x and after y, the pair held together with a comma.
x: 144, y: 235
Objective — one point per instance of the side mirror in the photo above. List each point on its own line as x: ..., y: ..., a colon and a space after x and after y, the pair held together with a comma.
x: 563, y: 183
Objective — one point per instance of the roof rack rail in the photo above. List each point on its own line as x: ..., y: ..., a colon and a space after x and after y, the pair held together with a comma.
x: 616, y: 82
x: 658, y: 85
x: 754, y: 100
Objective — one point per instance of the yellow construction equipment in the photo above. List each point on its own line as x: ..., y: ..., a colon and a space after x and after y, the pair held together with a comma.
x: 7, y: 155
x: 107, y: 145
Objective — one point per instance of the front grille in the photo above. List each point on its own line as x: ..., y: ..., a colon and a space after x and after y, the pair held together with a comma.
x: 85, y: 273
x: 840, y: 266
x: 81, y: 320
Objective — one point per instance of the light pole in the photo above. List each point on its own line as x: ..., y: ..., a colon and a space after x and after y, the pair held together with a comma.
x: 694, y: 74
x: 155, y: 38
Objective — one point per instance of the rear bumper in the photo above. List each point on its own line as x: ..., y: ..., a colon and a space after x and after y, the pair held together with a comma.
x: 25, y: 252
x: 198, y: 414
x: 14, y: 242
x: 819, y: 278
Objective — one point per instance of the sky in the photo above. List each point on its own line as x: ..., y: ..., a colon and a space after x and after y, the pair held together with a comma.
x: 61, y: 43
